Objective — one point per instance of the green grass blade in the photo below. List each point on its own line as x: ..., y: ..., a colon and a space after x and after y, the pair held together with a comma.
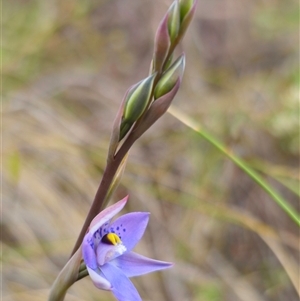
x: 251, y: 173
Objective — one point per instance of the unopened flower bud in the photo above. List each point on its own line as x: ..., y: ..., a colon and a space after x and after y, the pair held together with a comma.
x: 124, y: 128
x: 136, y: 103
x: 168, y: 63
x: 185, y: 7
x: 170, y: 77
x: 187, y: 10
x: 161, y: 45
x: 156, y: 110
x: 174, y: 20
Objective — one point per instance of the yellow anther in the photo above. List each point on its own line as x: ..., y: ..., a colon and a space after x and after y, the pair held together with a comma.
x: 112, y: 238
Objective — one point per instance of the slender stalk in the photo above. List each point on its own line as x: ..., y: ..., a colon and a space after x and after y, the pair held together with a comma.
x: 67, y: 276
x: 291, y: 212
x: 107, y: 179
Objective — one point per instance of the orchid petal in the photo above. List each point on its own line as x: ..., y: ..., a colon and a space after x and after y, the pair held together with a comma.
x: 133, y: 264
x: 98, y: 280
x: 105, y: 215
x: 130, y: 228
x: 122, y: 287
x: 88, y: 252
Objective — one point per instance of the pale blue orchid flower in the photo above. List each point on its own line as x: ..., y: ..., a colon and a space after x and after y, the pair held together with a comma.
x: 107, y: 251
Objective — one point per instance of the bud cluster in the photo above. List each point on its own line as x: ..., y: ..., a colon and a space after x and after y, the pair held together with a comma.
x: 148, y: 100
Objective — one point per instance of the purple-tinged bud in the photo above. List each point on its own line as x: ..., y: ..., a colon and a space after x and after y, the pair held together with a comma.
x: 155, y: 111
x: 124, y: 128
x: 187, y: 10
x: 168, y: 63
x: 136, y: 103
x: 170, y: 77
x: 138, y: 98
x: 174, y: 20
x: 162, y: 44
x: 185, y: 7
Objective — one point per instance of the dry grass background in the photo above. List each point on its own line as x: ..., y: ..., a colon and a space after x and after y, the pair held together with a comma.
x: 66, y: 66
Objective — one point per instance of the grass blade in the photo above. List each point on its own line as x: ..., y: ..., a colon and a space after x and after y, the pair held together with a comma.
x: 185, y: 119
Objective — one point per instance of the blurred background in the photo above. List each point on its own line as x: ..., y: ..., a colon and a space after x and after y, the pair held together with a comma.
x: 66, y: 65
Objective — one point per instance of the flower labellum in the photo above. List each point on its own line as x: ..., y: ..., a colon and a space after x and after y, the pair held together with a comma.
x: 107, y: 251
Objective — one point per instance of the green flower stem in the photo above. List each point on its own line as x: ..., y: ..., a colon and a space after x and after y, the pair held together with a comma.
x: 67, y: 276
x: 291, y: 212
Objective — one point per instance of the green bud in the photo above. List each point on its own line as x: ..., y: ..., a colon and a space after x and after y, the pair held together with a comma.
x: 155, y: 111
x: 124, y: 128
x: 170, y: 77
x: 187, y: 11
x: 161, y: 45
x: 185, y: 7
x: 138, y: 98
x: 136, y: 103
x: 174, y: 20
x: 168, y: 62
